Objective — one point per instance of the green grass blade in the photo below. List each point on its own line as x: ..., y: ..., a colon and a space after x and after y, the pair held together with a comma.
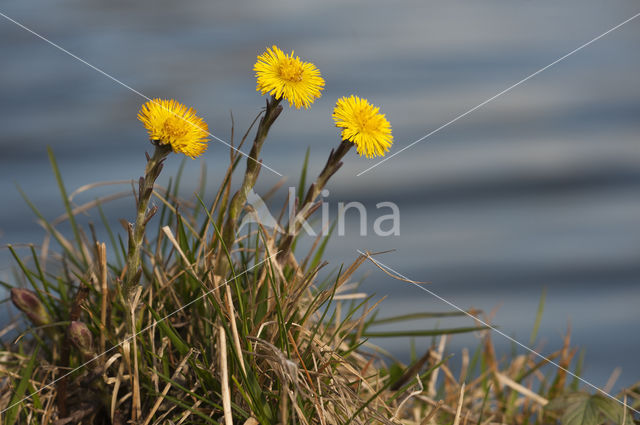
x: 67, y: 204
x: 43, y: 279
x: 419, y: 333
x: 50, y: 228
x: 387, y: 385
x: 323, y: 246
x: 402, y: 390
x: 189, y: 407
x: 303, y: 178
x: 202, y: 186
x: 484, y: 403
x: 178, y: 342
x: 18, y: 395
x: 575, y: 384
x: 112, y: 238
x: 28, y: 274
x: 416, y: 316
x: 176, y: 187
x: 536, y: 325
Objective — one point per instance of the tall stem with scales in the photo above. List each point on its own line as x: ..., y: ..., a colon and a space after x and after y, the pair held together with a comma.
x: 136, y: 231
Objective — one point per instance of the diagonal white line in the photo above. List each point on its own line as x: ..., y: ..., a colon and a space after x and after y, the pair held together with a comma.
x: 138, y: 333
x: 109, y: 76
x: 531, y: 350
x: 500, y: 94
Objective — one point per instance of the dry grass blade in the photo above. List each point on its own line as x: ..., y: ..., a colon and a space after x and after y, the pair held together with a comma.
x: 136, y: 410
x: 224, y: 379
x: 505, y: 380
x: 369, y: 255
x: 432, y: 413
x: 167, y: 387
x: 104, y: 293
x: 456, y: 421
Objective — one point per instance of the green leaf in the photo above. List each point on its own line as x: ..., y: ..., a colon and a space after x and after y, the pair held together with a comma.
x: 585, y: 409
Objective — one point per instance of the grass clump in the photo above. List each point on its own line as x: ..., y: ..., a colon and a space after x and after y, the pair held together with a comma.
x: 192, y: 322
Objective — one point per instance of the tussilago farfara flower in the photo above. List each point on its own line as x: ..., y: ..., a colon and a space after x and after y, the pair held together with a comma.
x: 287, y: 76
x: 81, y: 337
x: 364, y: 125
x: 29, y: 303
x: 170, y: 122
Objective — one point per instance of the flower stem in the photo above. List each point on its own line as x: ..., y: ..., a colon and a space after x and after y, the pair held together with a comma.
x: 272, y: 112
x: 136, y: 231
x: 334, y: 162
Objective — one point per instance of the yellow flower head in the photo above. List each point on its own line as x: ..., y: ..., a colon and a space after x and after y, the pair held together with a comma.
x: 364, y: 125
x: 170, y: 122
x: 287, y: 76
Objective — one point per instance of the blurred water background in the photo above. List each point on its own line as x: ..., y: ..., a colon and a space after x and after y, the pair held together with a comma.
x: 539, y: 188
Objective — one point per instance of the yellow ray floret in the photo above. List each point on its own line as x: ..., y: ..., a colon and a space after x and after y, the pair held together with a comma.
x: 170, y: 122
x: 287, y: 76
x: 364, y: 125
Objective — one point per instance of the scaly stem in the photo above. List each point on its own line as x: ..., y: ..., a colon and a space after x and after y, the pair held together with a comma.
x: 272, y: 112
x: 136, y: 238
x: 332, y: 166
x: 136, y: 232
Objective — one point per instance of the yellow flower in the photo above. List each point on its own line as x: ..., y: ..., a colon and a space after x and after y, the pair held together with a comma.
x: 364, y: 125
x: 170, y: 122
x: 286, y: 76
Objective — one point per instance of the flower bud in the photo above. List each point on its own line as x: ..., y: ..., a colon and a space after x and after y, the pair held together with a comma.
x: 29, y: 303
x: 81, y: 337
